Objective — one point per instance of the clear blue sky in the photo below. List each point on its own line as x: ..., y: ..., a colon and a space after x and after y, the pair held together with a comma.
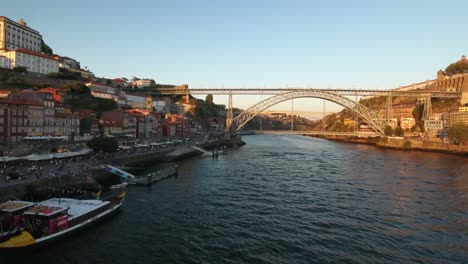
x: 268, y: 43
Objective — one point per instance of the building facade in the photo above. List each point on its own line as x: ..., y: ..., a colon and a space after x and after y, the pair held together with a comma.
x: 102, y: 88
x: 17, y: 35
x: 458, y: 117
x: 136, y: 101
x: 142, y: 83
x: 434, y: 125
x: 33, y: 61
x: 406, y: 123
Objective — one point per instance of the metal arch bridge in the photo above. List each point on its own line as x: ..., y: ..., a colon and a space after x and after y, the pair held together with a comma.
x: 283, y: 94
x: 365, y: 113
x: 318, y: 133
x: 271, y: 91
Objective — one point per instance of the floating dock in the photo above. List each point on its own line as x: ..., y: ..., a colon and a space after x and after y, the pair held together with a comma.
x: 143, y: 180
x: 155, y: 177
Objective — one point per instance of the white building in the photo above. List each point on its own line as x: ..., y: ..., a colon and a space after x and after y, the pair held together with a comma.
x: 162, y: 106
x: 17, y: 35
x: 102, y: 88
x: 142, y: 83
x: 136, y: 101
x: 32, y: 60
x: 103, y: 95
x: 434, y: 125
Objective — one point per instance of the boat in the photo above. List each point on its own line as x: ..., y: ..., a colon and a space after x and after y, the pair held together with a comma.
x: 57, y: 218
x: 11, y: 217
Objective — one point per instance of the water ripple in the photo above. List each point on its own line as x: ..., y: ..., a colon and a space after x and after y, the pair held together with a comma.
x: 290, y: 199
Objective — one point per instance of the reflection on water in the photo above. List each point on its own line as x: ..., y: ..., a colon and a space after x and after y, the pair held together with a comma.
x: 290, y: 199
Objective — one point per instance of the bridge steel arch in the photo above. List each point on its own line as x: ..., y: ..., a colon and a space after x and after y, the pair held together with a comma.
x: 372, y: 119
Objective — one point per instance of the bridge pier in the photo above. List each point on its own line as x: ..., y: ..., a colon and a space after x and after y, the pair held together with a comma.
x: 229, y: 116
x: 427, y: 108
x: 389, y: 107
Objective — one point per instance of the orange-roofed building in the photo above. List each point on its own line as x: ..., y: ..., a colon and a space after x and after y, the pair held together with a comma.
x: 57, y: 94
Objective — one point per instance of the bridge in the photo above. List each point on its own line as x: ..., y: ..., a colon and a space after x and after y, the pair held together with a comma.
x: 338, y: 96
x: 288, y: 112
x: 317, y: 133
x: 271, y: 91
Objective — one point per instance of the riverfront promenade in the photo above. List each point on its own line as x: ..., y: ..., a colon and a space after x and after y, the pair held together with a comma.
x: 80, y: 166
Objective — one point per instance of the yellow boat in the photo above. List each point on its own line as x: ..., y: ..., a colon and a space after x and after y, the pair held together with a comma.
x: 57, y: 218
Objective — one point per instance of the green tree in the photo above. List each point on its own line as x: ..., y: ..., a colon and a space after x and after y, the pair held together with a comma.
x: 209, y: 99
x: 152, y: 83
x: 104, y: 144
x: 458, y: 133
x: 399, y: 132
x: 4, y: 77
x: 75, y: 88
x: 418, y: 115
x: 388, y: 131
x: 85, y: 126
x: 407, y: 144
x: 20, y: 69
x: 46, y: 49
x: 457, y: 67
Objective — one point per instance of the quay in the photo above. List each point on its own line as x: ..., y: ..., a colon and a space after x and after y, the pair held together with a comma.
x: 86, y: 169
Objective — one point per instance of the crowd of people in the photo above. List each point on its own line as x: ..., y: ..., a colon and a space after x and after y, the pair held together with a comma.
x: 25, y: 170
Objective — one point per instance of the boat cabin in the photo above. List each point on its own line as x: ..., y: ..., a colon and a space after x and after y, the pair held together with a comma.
x: 11, y: 214
x: 44, y: 220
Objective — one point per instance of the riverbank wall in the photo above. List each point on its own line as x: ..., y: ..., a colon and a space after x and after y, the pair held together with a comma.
x: 137, y: 162
x: 134, y: 163
x: 43, y: 188
x: 404, y: 143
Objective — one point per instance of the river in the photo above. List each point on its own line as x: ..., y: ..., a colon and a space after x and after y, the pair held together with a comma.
x: 288, y: 199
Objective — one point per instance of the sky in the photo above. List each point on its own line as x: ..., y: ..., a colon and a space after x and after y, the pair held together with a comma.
x: 257, y: 43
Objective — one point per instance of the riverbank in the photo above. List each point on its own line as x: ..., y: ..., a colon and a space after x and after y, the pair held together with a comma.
x: 34, y: 188
x: 404, y: 143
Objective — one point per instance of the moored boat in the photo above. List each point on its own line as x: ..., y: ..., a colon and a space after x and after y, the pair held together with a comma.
x: 11, y: 218
x: 57, y: 218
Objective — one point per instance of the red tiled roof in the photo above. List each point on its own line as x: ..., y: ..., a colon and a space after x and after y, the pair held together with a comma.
x: 118, y: 80
x: 55, y: 92
x: 113, y: 118
x: 22, y: 101
x: 34, y: 53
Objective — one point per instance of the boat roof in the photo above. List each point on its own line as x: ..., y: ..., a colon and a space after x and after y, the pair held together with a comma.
x: 12, y: 206
x: 75, y: 207
x: 45, y: 210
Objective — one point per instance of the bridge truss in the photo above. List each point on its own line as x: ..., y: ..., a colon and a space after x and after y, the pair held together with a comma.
x: 365, y: 113
x: 271, y: 91
x: 284, y: 94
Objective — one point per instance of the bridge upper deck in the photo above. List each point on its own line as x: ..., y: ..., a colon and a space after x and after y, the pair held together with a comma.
x: 272, y: 91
